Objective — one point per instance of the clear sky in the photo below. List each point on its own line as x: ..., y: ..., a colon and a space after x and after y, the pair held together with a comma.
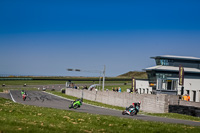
x: 45, y: 37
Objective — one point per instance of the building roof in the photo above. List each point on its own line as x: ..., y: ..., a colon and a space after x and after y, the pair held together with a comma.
x: 177, y: 57
x: 172, y: 68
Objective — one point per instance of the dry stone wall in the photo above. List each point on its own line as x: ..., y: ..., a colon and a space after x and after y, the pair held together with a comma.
x: 149, y: 103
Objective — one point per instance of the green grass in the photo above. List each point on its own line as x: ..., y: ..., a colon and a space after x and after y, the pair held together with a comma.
x: 53, y: 82
x: 31, y: 82
x: 166, y: 115
x: 18, y: 88
x: 175, y: 116
x: 25, y: 118
x: 48, y: 82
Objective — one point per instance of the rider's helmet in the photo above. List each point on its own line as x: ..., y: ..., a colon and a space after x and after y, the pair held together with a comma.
x: 133, y: 104
x: 139, y: 102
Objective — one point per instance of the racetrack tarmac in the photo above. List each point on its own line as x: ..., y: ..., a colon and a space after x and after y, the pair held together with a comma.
x: 43, y: 99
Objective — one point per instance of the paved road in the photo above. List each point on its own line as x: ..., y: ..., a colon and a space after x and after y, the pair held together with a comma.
x: 43, y: 99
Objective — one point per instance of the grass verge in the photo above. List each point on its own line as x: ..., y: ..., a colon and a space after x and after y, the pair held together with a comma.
x: 25, y: 118
x: 24, y: 88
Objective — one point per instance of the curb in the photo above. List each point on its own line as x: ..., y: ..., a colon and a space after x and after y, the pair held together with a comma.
x: 12, y: 97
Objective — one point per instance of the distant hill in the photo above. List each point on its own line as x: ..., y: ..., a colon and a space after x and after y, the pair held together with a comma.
x: 135, y: 74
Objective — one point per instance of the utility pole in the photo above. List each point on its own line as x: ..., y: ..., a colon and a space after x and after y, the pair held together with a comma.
x: 104, y: 71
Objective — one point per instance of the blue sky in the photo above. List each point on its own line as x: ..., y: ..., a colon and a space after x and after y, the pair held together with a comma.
x: 47, y: 37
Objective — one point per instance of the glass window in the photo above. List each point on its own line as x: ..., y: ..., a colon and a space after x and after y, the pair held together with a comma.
x: 158, y: 62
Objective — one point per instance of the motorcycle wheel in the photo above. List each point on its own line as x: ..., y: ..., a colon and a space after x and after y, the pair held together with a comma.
x: 70, y: 106
x: 24, y: 98
x: 75, y: 106
x: 123, y: 112
x: 132, y: 113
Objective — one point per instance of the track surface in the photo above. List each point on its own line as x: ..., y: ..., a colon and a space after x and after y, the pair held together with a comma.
x: 42, y: 99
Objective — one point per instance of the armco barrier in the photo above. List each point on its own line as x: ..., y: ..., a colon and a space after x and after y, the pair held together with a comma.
x: 149, y: 103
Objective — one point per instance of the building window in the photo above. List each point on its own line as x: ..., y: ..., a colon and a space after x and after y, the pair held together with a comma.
x: 167, y: 84
x: 188, y: 92
x: 158, y: 62
x: 164, y: 62
x: 194, y: 96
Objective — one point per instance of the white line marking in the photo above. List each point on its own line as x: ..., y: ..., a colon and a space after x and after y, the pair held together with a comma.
x: 12, y: 97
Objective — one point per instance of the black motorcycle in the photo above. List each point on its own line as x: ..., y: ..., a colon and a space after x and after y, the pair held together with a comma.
x: 131, y: 111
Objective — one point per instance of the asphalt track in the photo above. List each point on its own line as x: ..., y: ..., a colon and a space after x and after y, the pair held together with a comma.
x: 43, y: 99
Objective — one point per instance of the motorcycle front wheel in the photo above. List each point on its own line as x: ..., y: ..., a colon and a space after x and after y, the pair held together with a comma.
x: 123, y: 113
x: 70, y: 106
x: 132, y: 113
x: 75, y: 106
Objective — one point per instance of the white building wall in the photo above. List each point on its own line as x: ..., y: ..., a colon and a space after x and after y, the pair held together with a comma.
x: 143, y: 87
x: 191, y: 86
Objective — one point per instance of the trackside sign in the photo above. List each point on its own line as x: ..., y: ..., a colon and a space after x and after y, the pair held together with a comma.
x: 181, y: 75
x: 133, y: 84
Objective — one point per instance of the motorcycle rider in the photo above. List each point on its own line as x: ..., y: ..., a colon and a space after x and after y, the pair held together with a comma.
x: 137, y: 104
x: 79, y: 99
x: 24, y: 94
x: 134, y: 106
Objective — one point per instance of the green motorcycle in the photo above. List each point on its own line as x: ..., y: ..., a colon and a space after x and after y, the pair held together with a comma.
x: 76, y: 104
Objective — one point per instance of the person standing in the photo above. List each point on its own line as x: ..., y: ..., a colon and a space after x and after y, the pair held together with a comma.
x: 119, y: 89
x: 188, y: 97
x: 116, y: 89
x: 113, y: 89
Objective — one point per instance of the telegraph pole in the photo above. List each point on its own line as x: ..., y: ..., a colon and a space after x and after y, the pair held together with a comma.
x: 104, y: 71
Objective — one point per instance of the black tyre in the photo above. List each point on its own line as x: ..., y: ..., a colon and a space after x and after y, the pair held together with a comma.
x: 123, y: 113
x: 70, y: 106
x: 132, y: 113
x: 24, y: 98
x: 75, y: 106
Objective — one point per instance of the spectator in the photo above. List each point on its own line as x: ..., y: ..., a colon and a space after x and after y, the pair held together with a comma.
x: 185, y: 98
x: 75, y: 87
x: 116, y: 89
x: 85, y: 87
x: 188, y: 97
x: 120, y: 90
x: 113, y: 89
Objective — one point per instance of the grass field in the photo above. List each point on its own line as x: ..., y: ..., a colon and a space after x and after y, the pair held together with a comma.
x: 47, y: 82
x: 108, y: 84
x: 24, y: 118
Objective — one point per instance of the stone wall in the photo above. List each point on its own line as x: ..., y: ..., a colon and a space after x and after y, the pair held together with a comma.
x: 160, y: 103
x: 179, y: 106
x: 149, y: 103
